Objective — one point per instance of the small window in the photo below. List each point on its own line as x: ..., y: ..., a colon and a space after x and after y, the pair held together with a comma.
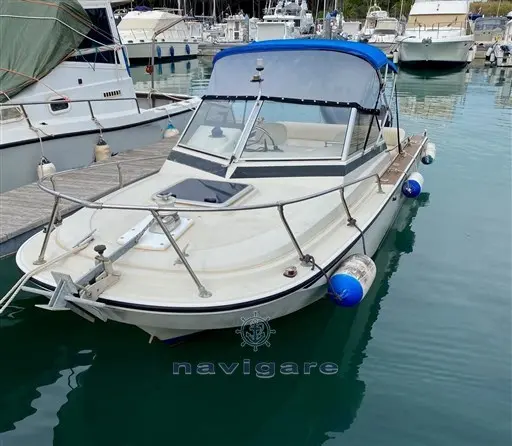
x: 59, y: 106
x: 100, y: 32
x: 10, y: 114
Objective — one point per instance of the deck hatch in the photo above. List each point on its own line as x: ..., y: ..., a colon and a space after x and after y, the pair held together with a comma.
x: 202, y: 192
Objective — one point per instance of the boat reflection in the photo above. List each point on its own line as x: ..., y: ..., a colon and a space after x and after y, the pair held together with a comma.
x: 432, y: 94
x: 181, y: 77
x: 501, y: 78
x: 127, y: 392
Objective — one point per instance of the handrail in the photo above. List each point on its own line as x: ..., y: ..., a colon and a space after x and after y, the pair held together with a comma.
x: 157, y: 210
x: 100, y: 205
x: 19, y: 104
x: 89, y: 102
x: 438, y: 26
x: 67, y: 101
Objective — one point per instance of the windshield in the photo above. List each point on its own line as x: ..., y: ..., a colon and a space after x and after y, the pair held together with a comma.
x: 489, y: 24
x: 282, y: 130
x: 297, y: 131
x: 217, y: 126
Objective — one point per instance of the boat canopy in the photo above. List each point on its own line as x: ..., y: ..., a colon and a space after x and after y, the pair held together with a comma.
x: 490, y: 23
x: 336, y: 72
x: 148, y: 20
x: 36, y: 36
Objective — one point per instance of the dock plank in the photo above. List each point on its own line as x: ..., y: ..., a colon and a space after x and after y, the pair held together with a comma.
x: 28, y: 208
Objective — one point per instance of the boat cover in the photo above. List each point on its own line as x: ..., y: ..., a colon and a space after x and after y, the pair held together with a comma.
x: 35, y: 36
x: 318, y: 70
x: 374, y: 56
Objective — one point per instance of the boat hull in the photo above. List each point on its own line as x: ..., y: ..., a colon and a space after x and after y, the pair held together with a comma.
x: 70, y: 149
x: 169, y: 324
x: 140, y: 53
x: 444, y: 51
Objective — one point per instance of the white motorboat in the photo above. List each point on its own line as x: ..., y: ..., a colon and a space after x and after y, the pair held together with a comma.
x: 287, y: 20
x: 437, y: 32
x: 373, y: 16
x: 500, y: 53
x: 235, y: 28
x: 385, y: 33
x: 156, y: 33
x: 488, y: 30
x: 71, y: 86
x: 282, y: 186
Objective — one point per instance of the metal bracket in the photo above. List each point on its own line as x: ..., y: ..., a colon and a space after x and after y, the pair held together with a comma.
x: 93, y: 291
x: 66, y: 292
x: 65, y: 287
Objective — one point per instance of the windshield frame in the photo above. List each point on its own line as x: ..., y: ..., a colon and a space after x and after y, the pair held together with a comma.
x: 205, y: 100
x: 251, y: 121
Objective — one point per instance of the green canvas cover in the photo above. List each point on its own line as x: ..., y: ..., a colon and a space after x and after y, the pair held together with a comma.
x: 35, y: 36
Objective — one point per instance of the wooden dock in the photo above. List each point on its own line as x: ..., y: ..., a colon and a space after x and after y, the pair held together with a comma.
x: 26, y: 210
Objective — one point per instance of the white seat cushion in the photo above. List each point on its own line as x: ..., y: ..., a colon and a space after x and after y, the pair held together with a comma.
x: 314, y: 131
x: 390, y: 137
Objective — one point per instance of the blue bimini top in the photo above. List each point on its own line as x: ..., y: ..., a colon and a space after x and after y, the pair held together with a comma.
x: 374, y: 56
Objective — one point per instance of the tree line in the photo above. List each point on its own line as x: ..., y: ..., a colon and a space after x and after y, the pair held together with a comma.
x: 352, y: 9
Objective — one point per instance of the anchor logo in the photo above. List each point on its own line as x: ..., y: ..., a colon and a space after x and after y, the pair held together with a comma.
x: 255, y: 331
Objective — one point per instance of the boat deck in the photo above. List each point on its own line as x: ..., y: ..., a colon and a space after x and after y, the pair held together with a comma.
x: 248, y: 249
x: 397, y: 168
x: 25, y: 210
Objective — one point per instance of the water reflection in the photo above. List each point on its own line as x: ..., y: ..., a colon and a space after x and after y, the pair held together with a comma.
x: 433, y: 95
x: 501, y: 78
x: 128, y: 392
x: 399, y: 240
x: 182, y: 77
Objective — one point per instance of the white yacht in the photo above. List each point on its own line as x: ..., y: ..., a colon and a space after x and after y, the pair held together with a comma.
x: 281, y: 188
x: 287, y: 20
x: 500, y: 53
x: 71, y: 87
x: 385, y: 33
x: 437, y: 32
x: 157, y: 33
x: 373, y: 16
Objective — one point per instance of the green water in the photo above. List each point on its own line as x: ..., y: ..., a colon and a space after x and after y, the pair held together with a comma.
x: 424, y: 360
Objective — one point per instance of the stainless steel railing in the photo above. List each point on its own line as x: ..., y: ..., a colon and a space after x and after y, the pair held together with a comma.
x: 89, y: 102
x: 157, y: 210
